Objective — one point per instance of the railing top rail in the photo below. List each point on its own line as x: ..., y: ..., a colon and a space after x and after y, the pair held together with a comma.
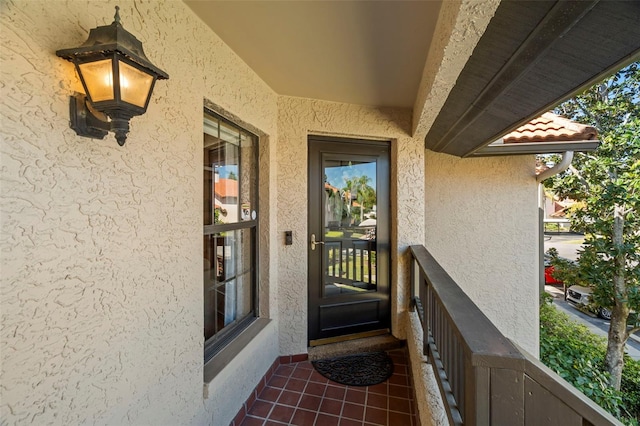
x: 486, y: 344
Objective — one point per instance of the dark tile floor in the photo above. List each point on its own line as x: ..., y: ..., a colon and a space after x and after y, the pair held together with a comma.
x: 298, y: 395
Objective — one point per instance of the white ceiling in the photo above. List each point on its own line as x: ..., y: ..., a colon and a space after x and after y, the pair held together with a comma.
x: 362, y: 52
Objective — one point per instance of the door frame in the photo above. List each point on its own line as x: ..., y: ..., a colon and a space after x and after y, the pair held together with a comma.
x: 380, y: 150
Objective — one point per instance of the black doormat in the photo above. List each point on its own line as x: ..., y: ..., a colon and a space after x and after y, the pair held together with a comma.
x: 356, y: 370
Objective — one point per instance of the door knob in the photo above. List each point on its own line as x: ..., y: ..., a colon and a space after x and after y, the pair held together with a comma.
x: 314, y: 242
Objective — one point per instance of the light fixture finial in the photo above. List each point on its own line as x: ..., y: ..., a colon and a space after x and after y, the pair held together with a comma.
x: 116, y: 17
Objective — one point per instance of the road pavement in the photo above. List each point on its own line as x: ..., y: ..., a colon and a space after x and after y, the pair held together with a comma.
x: 593, y: 323
x: 566, y: 243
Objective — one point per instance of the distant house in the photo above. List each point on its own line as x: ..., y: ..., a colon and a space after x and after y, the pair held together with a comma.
x: 226, y: 197
x: 552, y: 133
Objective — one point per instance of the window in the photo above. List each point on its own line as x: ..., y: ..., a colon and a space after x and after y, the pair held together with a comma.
x: 230, y: 229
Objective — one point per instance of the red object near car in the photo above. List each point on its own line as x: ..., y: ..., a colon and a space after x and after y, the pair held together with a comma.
x: 549, y: 278
x: 548, y: 274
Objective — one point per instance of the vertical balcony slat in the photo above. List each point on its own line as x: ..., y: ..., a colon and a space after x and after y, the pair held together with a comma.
x: 470, y: 354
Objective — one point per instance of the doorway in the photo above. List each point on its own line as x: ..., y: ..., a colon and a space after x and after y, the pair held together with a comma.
x: 349, y: 233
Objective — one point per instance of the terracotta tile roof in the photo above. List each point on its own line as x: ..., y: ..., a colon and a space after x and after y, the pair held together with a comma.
x: 550, y: 127
x: 226, y: 188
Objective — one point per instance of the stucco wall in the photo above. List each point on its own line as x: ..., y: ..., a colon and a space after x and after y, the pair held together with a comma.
x: 481, y: 226
x: 299, y: 118
x: 460, y: 25
x: 101, y: 245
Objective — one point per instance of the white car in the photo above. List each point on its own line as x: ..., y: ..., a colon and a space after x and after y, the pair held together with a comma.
x: 581, y: 296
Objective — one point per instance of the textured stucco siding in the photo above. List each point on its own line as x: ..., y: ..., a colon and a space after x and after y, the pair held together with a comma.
x: 299, y: 118
x: 101, y: 246
x: 482, y: 227
x: 238, y: 376
x: 460, y: 25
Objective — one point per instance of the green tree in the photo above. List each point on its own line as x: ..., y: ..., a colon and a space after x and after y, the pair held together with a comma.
x: 358, y: 189
x: 607, y: 185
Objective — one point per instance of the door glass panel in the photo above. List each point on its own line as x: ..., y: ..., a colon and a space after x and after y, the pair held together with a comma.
x: 349, y: 218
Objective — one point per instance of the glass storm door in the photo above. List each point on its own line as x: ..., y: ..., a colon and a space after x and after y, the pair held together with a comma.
x: 348, y: 238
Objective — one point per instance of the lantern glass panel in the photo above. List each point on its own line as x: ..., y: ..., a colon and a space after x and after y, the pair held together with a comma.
x: 134, y: 85
x: 98, y: 79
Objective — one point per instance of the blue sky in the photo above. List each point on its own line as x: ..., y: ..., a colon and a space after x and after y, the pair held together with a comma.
x: 337, y: 176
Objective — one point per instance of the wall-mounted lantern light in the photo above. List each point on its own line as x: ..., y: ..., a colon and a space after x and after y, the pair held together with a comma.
x: 117, y: 78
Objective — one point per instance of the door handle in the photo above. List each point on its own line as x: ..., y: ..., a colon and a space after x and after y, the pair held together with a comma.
x: 314, y: 242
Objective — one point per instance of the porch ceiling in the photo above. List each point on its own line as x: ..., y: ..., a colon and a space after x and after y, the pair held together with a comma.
x: 533, y: 55
x: 361, y: 52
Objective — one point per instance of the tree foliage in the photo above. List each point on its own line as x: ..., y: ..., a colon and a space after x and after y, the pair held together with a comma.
x: 358, y: 189
x: 606, y: 184
x: 577, y: 355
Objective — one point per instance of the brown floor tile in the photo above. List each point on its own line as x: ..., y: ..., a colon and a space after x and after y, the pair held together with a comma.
x: 303, y: 417
x: 375, y: 416
x: 327, y: 420
x: 377, y: 401
x: 306, y: 365
x: 350, y: 422
x: 399, y: 404
x: 289, y: 398
x: 299, y: 358
x: 278, y: 381
x: 317, y: 377
x: 270, y: 394
x: 261, y: 386
x: 301, y: 373
x: 400, y: 369
x: 281, y: 413
x: 353, y: 411
x: 238, y: 419
x: 285, y: 370
x: 380, y: 388
x: 399, y: 419
x: 315, y: 389
x: 398, y: 379
x: 296, y: 385
x: 357, y: 396
x: 330, y: 406
x: 335, y: 392
x: 399, y: 391
x: 250, y: 401
x: 252, y: 421
x: 310, y: 402
x: 298, y: 395
x: 260, y: 409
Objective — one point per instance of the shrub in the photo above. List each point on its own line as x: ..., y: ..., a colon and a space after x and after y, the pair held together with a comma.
x: 577, y: 355
x: 631, y: 387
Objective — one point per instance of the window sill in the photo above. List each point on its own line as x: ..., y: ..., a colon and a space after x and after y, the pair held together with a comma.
x: 226, y: 355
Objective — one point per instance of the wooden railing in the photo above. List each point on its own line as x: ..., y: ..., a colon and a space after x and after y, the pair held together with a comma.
x: 350, y: 260
x: 484, y: 378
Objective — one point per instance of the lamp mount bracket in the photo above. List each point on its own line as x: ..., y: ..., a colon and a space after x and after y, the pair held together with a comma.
x: 85, y: 120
